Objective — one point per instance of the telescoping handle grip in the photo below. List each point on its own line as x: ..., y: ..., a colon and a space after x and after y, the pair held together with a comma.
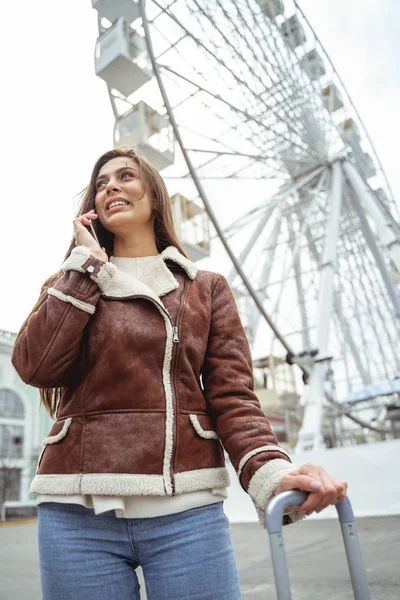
x: 350, y: 537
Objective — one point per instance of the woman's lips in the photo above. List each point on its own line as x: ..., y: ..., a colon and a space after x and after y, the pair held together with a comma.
x: 117, y: 208
x: 114, y: 199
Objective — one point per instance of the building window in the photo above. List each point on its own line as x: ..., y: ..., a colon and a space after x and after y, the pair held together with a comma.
x: 11, y: 441
x: 11, y: 405
x: 12, y: 416
x: 9, y: 484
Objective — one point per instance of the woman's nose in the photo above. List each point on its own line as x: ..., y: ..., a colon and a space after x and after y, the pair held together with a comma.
x: 112, y: 186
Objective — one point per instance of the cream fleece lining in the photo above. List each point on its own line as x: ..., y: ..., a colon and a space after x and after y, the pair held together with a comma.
x: 76, y: 260
x: 169, y: 420
x: 116, y: 283
x: 207, y: 435
x: 269, y: 448
x: 52, y: 439
x: 201, y: 479
x: 85, y: 306
x: 125, y: 484
x: 263, y: 485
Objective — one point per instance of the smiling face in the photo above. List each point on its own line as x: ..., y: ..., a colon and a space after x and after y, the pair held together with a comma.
x: 121, y: 201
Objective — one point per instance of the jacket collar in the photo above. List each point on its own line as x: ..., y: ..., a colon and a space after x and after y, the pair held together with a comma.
x: 172, y: 253
x: 156, y: 281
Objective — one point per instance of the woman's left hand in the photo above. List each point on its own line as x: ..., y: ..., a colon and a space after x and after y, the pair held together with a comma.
x: 324, y: 489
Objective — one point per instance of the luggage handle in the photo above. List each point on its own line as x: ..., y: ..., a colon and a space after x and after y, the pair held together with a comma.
x: 274, y: 516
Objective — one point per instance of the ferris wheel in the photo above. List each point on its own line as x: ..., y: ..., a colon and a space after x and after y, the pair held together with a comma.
x: 238, y: 100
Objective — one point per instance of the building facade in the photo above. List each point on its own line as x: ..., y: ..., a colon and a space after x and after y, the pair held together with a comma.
x: 23, y: 426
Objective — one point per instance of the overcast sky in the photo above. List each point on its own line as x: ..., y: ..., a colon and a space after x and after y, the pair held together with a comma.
x: 56, y: 119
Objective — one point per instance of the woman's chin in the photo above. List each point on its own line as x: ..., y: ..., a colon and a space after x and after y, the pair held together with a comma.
x: 119, y: 222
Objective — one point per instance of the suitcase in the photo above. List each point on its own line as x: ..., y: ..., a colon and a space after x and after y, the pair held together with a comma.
x: 344, y: 509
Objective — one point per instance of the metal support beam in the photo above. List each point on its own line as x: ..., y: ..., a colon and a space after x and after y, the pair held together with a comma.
x: 345, y: 329
x: 379, y: 321
x: 272, y: 244
x: 310, y: 434
x: 296, y: 257
x: 252, y: 240
x: 388, y: 235
x: 358, y: 194
x: 295, y: 262
x: 283, y: 195
x: 349, y: 340
x: 308, y: 212
x: 278, y: 200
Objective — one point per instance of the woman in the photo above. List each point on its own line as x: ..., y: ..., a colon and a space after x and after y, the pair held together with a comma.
x: 143, y: 360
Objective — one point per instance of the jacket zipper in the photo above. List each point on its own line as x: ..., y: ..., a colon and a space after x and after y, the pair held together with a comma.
x: 175, y: 339
x: 174, y: 352
x: 148, y: 298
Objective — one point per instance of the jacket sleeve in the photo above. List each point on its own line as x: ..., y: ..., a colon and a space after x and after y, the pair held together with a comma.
x: 50, y: 343
x: 242, y: 426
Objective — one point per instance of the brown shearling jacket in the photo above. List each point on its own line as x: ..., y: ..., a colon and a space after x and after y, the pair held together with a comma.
x: 152, y: 390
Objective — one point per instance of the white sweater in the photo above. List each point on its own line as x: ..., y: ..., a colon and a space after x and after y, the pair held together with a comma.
x: 133, y: 507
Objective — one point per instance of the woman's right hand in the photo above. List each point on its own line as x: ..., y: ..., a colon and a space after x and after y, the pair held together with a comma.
x: 83, y: 237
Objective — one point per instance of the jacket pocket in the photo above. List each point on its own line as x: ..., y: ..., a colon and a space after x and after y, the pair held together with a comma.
x: 207, y: 434
x: 53, y: 439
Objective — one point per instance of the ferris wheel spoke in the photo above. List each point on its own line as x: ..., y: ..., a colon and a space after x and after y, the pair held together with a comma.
x: 378, y: 256
x: 360, y: 316
x: 263, y: 35
x: 389, y: 237
x: 163, y: 10
x: 282, y: 64
x: 304, y: 220
x: 249, y: 246
x: 231, y: 172
x: 363, y: 258
x: 366, y: 317
x: 284, y: 73
x: 260, y: 60
x: 252, y: 215
x: 286, y: 273
x: 248, y: 118
x: 251, y: 69
x: 312, y: 101
x: 361, y: 362
x: 234, y: 173
x: 285, y: 193
x: 242, y: 83
x: 354, y: 108
x: 365, y: 267
x: 172, y: 45
x: 305, y: 325
x: 159, y: 10
x: 224, y: 117
x: 227, y: 153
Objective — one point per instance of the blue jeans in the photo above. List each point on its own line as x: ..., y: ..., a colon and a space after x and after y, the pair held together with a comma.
x: 184, y: 556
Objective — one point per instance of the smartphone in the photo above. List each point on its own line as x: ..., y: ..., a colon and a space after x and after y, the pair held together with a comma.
x: 94, y: 233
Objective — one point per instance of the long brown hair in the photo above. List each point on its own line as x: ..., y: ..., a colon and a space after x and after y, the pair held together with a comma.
x: 164, y: 231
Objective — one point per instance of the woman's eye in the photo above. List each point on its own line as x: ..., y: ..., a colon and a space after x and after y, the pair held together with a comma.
x: 101, y: 184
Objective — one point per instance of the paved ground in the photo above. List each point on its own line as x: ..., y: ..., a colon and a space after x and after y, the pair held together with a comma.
x: 314, y: 549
